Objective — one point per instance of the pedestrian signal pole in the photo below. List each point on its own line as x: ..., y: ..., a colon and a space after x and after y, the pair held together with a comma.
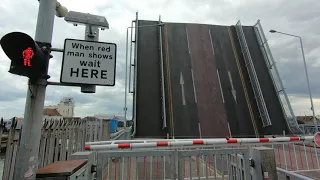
x: 27, y: 159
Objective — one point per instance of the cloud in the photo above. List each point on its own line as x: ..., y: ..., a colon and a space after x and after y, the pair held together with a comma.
x: 297, y: 17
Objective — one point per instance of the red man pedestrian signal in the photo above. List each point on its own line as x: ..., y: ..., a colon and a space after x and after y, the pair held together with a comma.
x: 28, y: 58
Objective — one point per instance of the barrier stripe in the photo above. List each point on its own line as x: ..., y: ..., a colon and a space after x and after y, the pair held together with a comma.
x: 263, y: 139
x: 187, y: 142
x: 294, y: 138
x: 124, y: 145
x: 162, y: 143
x: 197, y: 142
x: 232, y: 141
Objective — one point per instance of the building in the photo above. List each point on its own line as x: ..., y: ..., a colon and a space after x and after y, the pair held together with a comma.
x: 307, y: 119
x: 51, y: 112
x: 65, y: 108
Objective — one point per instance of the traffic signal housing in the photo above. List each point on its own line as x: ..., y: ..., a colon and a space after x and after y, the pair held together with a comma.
x: 28, y: 58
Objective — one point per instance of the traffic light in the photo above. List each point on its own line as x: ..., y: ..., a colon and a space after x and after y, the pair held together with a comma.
x: 28, y: 58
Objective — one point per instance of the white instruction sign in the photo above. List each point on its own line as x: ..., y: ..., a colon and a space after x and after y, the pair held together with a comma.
x: 86, y: 62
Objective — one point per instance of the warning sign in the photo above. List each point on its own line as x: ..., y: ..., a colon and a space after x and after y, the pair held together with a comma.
x: 86, y: 62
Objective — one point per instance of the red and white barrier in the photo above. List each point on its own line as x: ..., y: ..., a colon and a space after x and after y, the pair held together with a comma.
x: 191, y: 142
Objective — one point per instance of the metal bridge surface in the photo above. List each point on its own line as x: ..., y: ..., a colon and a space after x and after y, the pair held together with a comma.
x: 207, y: 88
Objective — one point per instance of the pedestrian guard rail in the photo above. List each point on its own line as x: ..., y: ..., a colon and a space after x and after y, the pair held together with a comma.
x: 309, y: 129
x: 223, y: 158
x: 276, y: 79
x: 264, y: 115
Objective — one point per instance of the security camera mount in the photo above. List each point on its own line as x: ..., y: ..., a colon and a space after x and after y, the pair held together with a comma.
x: 87, y: 19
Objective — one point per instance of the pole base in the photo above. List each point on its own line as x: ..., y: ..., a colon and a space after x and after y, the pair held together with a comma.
x: 88, y: 88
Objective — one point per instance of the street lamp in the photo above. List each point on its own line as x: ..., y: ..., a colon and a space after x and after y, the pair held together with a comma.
x: 306, y: 71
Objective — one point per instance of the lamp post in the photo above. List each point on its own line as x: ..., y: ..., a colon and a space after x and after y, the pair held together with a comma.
x: 306, y: 71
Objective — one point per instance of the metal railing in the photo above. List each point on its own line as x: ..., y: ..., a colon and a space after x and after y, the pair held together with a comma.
x: 253, y: 76
x: 309, y: 129
x: 274, y: 73
x: 173, y: 164
x: 220, y: 158
x: 98, y: 129
x: 132, y: 54
x: 123, y: 134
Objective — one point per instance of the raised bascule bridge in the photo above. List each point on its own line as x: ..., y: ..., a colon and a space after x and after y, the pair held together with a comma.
x: 201, y: 80
x: 208, y: 103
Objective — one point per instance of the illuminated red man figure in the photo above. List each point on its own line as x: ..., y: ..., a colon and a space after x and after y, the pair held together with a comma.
x: 27, y: 56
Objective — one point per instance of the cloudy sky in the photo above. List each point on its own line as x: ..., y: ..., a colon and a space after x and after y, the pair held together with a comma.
x: 291, y: 16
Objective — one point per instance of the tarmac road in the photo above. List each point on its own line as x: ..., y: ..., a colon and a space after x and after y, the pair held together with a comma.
x: 206, y: 83
x: 268, y: 90
x: 240, y: 109
x: 211, y: 113
x: 184, y: 118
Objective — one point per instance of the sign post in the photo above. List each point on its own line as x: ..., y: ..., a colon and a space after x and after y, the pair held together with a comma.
x: 88, y: 63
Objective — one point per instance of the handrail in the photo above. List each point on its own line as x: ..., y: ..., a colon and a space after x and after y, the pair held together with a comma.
x: 253, y: 77
x: 274, y: 73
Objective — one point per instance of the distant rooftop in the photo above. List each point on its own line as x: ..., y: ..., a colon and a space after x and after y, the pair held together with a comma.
x: 306, y: 118
x: 51, y: 112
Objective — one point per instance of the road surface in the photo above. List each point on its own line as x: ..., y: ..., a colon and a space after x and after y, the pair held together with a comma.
x: 208, y: 91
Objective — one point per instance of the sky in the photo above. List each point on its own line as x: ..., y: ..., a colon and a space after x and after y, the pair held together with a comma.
x: 296, y: 17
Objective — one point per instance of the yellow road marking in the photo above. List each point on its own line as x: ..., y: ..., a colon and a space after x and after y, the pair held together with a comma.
x: 243, y: 84
x: 169, y: 81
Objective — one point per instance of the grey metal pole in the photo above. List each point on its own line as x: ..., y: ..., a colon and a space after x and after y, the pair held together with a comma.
x: 134, y: 108
x: 27, y: 158
x: 163, y: 93
x: 306, y: 71
x: 91, y: 34
x: 307, y: 76
x: 126, y: 76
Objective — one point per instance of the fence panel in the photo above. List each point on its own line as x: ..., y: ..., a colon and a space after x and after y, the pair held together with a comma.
x: 136, y: 165
x: 60, y: 137
x: 226, y: 163
x: 223, y: 163
x: 11, y: 152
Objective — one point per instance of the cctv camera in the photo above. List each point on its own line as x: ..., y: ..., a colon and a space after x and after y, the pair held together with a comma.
x: 86, y: 19
x: 61, y: 11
